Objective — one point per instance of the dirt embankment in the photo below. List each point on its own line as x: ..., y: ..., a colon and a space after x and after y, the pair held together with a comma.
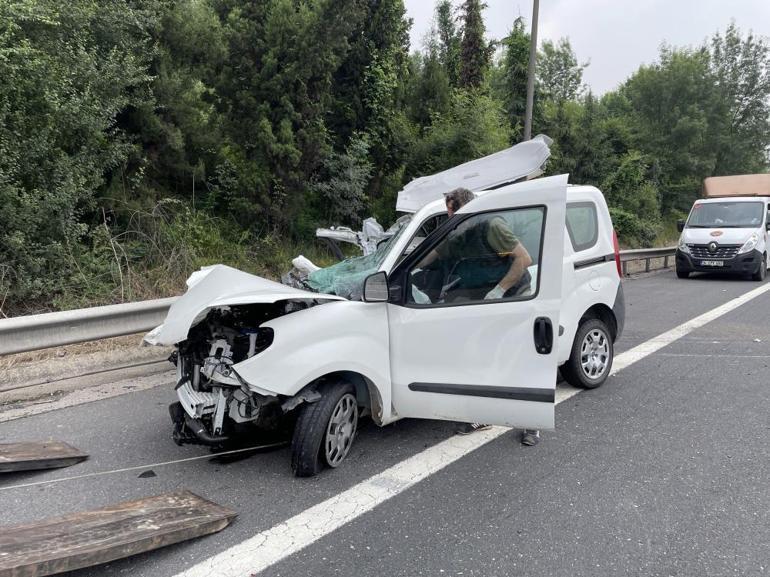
x: 52, y: 372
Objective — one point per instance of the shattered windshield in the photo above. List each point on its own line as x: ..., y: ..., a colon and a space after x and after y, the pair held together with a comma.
x: 346, y: 278
x: 726, y: 215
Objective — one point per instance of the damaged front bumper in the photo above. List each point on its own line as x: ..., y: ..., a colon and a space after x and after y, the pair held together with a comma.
x: 216, y: 325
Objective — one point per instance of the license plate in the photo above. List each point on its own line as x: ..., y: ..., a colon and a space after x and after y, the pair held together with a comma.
x: 712, y: 263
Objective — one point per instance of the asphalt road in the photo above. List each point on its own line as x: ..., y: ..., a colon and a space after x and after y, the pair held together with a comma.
x: 665, y: 470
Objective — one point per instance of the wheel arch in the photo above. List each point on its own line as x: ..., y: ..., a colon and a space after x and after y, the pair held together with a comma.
x: 367, y: 394
x: 603, y: 313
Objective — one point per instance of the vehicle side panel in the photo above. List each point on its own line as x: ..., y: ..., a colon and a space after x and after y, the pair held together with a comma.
x: 308, y: 344
x: 590, y: 276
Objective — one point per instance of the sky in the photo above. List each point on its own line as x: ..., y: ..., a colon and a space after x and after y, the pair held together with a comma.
x: 614, y: 36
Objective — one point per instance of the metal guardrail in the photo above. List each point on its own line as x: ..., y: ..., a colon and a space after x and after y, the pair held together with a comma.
x: 646, y: 254
x: 29, y: 333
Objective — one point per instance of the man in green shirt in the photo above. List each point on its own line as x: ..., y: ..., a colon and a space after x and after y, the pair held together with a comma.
x: 486, y: 259
x: 483, y: 253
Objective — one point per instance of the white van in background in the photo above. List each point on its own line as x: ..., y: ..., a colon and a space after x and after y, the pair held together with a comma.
x: 727, y: 231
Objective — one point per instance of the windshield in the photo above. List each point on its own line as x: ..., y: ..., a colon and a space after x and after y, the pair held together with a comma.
x: 346, y: 278
x: 726, y: 215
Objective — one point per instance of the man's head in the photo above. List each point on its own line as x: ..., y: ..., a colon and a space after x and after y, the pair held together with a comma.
x: 456, y: 199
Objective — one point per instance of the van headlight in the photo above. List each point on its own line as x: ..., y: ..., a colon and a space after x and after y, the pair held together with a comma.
x: 749, y: 244
x: 683, y: 246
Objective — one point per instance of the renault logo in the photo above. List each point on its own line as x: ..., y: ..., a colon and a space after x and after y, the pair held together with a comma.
x: 713, y: 247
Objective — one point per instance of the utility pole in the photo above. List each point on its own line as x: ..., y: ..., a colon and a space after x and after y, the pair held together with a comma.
x: 531, y: 73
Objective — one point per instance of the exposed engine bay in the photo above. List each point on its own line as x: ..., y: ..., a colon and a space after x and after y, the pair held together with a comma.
x: 215, y: 403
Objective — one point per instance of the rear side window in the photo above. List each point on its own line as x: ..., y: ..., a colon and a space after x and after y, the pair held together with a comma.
x: 582, y: 225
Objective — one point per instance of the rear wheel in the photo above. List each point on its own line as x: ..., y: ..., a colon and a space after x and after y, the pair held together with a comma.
x: 592, y: 354
x: 682, y: 273
x: 325, y: 431
x: 761, y: 272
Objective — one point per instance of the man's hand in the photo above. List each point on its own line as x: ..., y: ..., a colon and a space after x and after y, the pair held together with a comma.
x: 495, y: 294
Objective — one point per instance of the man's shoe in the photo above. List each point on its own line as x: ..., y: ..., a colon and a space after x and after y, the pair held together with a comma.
x: 468, y: 428
x: 530, y: 437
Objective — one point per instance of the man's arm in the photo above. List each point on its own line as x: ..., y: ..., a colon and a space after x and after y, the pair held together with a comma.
x: 429, y: 258
x: 521, y: 260
x: 502, y: 240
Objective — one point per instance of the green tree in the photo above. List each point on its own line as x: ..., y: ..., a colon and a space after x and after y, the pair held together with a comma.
x: 509, y: 77
x: 672, y: 103
x: 558, y: 72
x: 339, y: 190
x: 475, y: 53
x: 741, y: 132
x: 430, y: 93
x: 179, y: 128
x: 475, y: 126
x: 274, y: 90
x: 447, y: 41
x: 68, y: 72
x: 633, y: 200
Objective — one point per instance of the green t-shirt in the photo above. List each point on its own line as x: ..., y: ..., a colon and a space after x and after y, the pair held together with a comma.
x: 499, y: 237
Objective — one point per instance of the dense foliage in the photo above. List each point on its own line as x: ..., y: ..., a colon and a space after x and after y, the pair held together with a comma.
x: 142, y: 138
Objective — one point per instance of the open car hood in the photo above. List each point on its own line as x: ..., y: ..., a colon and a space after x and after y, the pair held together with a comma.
x: 523, y: 160
x: 217, y: 286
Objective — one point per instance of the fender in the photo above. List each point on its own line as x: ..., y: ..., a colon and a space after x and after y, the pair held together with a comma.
x: 308, y: 344
x: 581, y: 298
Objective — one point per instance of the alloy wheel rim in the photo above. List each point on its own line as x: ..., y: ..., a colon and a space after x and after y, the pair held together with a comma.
x: 341, y: 430
x: 595, y: 354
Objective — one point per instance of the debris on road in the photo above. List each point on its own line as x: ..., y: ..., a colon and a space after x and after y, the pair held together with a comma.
x: 38, y: 455
x: 99, y: 536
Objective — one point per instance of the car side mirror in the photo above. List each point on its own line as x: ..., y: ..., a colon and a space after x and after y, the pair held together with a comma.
x: 376, y: 288
x: 680, y: 225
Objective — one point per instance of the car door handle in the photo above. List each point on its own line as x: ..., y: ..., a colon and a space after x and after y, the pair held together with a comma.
x: 543, y: 335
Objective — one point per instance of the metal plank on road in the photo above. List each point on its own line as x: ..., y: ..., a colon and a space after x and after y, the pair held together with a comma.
x: 36, y: 455
x: 102, y: 535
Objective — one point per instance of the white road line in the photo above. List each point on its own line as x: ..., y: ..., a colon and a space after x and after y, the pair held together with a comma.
x: 736, y: 356
x: 271, y: 546
x: 655, y: 344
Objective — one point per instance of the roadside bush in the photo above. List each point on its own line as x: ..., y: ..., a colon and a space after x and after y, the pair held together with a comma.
x: 156, y: 252
x: 632, y: 231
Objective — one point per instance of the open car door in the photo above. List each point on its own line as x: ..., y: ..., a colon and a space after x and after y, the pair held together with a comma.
x: 472, y: 333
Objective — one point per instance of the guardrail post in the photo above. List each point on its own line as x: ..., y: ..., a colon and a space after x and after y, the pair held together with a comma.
x: 665, y: 261
x: 647, y: 264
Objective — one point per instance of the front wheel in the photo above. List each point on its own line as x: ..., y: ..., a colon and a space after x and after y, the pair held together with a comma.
x: 762, y: 270
x: 325, y: 431
x: 592, y: 354
x: 682, y: 273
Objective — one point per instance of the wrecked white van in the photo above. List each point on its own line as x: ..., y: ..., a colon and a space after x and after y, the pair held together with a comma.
x: 429, y: 339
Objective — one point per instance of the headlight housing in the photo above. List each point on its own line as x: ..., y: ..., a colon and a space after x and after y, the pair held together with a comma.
x: 749, y: 244
x: 683, y: 246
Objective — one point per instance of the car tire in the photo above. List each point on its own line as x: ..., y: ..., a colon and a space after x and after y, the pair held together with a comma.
x: 325, y: 430
x: 761, y: 271
x: 682, y: 273
x: 590, y: 360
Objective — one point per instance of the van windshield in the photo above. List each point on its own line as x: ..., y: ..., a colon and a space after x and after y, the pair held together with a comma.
x: 726, y: 215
